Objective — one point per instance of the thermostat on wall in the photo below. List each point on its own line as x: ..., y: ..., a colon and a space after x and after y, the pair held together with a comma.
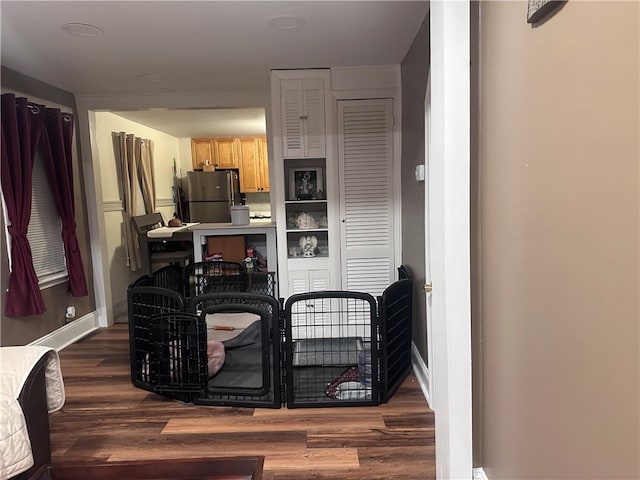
x: 420, y: 173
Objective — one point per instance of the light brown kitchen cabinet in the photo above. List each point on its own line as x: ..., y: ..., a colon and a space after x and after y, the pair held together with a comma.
x: 247, y: 154
x: 225, y: 152
x: 220, y: 152
x: 264, y: 163
x: 201, y: 152
x: 254, y: 164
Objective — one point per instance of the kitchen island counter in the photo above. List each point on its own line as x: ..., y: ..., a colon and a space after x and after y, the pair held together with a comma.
x: 260, y: 235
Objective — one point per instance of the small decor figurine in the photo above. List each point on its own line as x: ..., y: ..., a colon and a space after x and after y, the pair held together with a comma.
x: 309, y: 245
x: 306, y: 221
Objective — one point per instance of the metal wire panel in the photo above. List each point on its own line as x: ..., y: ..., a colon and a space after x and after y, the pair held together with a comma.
x: 395, y: 335
x: 214, y: 277
x: 263, y: 360
x: 145, y: 302
x: 329, y: 356
x: 177, y: 359
x: 170, y: 277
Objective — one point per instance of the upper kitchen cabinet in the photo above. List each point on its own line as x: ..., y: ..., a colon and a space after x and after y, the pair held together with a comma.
x: 254, y: 164
x: 222, y: 153
x: 303, y: 118
x: 201, y: 152
x: 226, y: 154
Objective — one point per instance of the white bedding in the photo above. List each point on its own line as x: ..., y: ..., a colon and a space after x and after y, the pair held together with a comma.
x: 16, y: 363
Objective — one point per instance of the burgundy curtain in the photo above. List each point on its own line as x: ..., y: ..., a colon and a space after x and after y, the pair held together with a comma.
x: 22, y: 125
x: 57, y: 156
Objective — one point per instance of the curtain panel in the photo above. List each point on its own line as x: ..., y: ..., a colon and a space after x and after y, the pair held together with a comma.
x: 127, y: 170
x: 135, y: 166
x: 21, y: 129
x: 144, y: 152
x: 59, y: 133
x: 27, y: 127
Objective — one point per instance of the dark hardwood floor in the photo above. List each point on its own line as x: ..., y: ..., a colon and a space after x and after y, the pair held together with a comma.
x: 105, y: 418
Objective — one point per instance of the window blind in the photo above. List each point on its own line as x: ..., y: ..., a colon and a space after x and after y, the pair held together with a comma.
x: 45, y: 230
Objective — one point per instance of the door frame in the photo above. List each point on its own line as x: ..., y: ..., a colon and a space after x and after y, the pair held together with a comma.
x: 428, y: 313
x: 87, y: 106
x: 449, y: 234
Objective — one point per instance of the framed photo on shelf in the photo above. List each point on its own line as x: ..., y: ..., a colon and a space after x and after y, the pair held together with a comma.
x: 306, y: 184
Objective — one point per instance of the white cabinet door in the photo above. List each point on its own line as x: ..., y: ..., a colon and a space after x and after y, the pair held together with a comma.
x: 309, y: 319
x: 303, y: 281
x: 303, y: 118
x: 365, y: 149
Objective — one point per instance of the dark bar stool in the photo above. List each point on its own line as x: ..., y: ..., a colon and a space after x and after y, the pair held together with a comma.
x: 181, y: 256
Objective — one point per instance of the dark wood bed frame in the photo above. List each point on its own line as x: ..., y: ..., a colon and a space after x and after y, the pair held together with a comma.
x: 221, y: 468
x: 33, y: 400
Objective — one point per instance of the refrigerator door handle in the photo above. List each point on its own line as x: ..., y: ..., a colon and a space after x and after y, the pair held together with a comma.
x: 231, y: 192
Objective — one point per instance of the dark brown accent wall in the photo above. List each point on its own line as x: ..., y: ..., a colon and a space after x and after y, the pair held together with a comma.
x: 20, y: 331
x: 415, y: 68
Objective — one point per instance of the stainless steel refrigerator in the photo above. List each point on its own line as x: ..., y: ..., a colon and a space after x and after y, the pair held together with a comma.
x: 211, y: 195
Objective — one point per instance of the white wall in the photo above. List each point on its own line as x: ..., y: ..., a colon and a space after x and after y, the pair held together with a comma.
x: 166, y: 148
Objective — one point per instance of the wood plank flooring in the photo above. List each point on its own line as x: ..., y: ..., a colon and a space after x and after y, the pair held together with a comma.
x: 106, y: 418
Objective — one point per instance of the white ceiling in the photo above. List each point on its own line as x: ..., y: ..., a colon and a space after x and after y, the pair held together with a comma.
x: 237, y: 122
x: 197, y: 46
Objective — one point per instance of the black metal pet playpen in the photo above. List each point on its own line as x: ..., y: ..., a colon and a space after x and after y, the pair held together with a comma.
x: 212, y: 333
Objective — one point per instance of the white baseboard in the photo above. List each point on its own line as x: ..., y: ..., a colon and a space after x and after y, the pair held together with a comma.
x: 422, y: 373
x: 69, y: 333
x: 478, y: 474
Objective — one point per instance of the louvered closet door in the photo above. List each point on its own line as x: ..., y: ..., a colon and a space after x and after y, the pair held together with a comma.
x: 365, y: 129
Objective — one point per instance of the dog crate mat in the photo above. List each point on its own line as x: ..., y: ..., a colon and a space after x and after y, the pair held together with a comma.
x: 343, y: 351
x: 242, y: 369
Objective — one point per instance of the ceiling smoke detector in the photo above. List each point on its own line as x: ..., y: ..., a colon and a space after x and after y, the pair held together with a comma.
x: 286, y: 22
x: 82, y: 29
x: 151, y: 77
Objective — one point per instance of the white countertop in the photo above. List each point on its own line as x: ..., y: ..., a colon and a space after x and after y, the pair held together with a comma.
x: 167, y: 232
x: 229, y: 225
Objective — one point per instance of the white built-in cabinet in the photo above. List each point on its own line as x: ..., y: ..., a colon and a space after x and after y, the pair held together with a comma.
x: 301, y: 281
x: 335, y: 184
x: 303, y: 117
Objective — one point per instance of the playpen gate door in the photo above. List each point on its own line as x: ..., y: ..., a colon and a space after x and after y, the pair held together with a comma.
x: 331, y: 354
x: 249, y: 327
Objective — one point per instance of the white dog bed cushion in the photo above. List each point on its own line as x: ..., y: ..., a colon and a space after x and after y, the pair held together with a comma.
x: 225, y: 326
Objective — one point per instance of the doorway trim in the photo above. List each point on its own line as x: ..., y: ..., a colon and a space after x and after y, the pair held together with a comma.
x: 449, y: 179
